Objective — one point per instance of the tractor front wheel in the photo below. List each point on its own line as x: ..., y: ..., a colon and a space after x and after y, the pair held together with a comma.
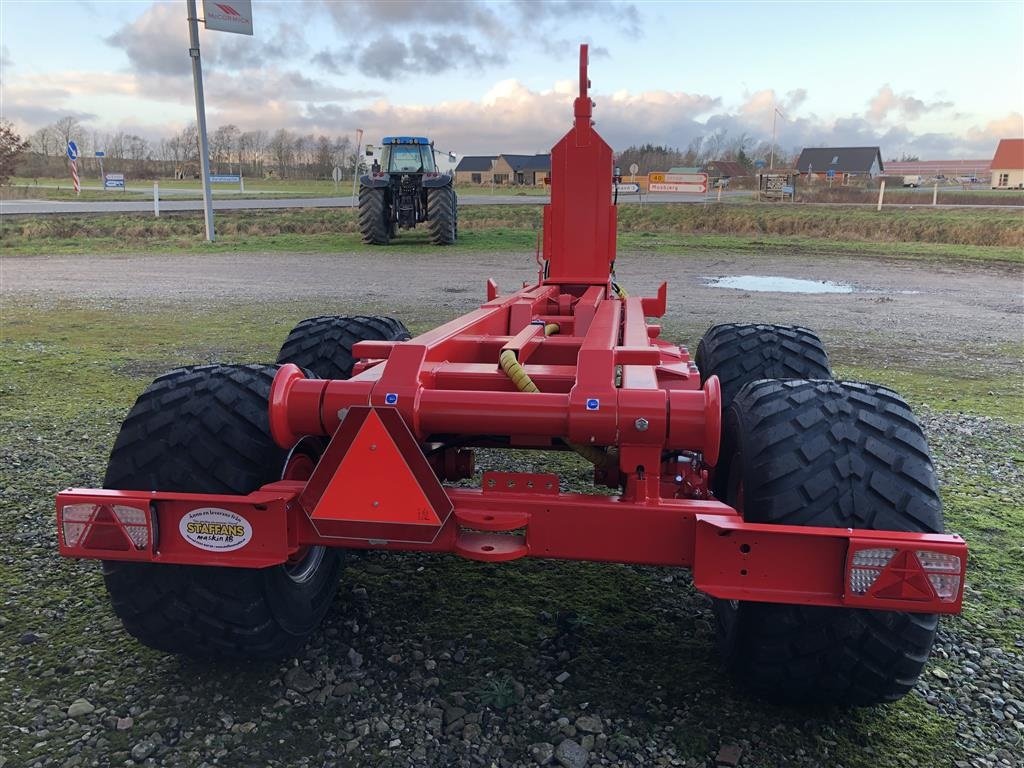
x: 374, y: 216
x: 205, y: 429
x: 442, y: 213
x: 834, y: 454
x: 324, y: 344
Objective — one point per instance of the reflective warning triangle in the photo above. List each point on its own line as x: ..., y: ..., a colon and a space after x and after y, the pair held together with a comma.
x: 903, y: 579
x: 373, y: 482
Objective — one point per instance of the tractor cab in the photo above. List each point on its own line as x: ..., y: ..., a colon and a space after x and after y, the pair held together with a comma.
x: 407, y: 154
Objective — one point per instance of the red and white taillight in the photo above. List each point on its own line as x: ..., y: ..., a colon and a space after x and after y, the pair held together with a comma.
x: 905, y: 574
x: 86, y: 527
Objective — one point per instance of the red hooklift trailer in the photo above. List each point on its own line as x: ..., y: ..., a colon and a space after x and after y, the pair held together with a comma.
x: 807, y: 508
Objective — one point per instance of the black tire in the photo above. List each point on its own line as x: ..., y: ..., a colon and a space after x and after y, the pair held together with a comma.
x: 205, y: 429
x: 324, y: 344
x: 738, y: 353
x: 442, y: 210
x: 374, y: 216
x: 833, y: 454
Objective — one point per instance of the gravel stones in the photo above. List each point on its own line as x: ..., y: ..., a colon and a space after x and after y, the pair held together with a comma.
x: 569, y: 754
x: 80, y: 707
x: 298, y: 679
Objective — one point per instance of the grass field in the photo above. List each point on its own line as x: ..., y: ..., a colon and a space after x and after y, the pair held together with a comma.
x: 191, y: 189
x: 988, y: 235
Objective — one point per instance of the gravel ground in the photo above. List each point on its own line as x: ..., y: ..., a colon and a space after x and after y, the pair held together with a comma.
x: 580, y: 664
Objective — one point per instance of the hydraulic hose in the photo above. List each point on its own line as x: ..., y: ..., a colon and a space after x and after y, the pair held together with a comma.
x: 510, y: 364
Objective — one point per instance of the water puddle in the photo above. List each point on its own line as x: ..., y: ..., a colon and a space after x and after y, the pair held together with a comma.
x: 777, y: 284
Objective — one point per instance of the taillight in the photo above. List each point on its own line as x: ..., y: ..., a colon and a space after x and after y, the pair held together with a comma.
x: 943, y: 572
x: 888, y: 573
x: 105, y: 526
x: 866, y: 566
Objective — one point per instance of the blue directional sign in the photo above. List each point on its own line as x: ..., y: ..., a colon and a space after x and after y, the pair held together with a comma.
x: 100, y: 153
x: 831, y: 173
x: 760, y: 163
x: 72, y: 151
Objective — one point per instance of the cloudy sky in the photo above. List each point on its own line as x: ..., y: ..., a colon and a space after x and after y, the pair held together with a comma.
x: 941, y: 80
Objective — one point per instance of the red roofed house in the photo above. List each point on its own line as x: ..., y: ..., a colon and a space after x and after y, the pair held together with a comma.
x: 1008, y: 165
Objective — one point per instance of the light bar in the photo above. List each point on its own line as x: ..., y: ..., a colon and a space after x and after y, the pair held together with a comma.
x: 866, y: 567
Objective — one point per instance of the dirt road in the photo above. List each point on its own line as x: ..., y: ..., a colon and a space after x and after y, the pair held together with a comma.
x: 935, y: 312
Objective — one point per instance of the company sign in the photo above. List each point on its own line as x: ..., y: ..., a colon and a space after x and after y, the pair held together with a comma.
x: 113, y: 181
x: 228, y: 16
x: 225, y: 178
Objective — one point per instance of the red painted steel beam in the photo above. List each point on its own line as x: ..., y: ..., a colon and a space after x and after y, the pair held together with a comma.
x: 731, y: 559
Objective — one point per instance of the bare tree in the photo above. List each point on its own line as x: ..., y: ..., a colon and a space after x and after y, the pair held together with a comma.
x: 68, y: 129
x: 12, y: 147
x: 223, y: 144
x: 44, y: 142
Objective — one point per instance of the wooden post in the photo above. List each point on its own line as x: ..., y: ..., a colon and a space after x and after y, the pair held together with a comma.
x: 156, y: 199
x: 935, y: 194
x: 881, y: 194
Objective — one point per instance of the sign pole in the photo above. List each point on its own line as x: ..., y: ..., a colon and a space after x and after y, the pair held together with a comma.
x: 355, y: 165
x: 197, y: 79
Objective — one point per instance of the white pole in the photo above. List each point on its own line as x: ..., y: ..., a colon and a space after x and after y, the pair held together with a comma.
x: 355, y: 165
x: 771, y: 162
x: 881, y: 194
x: 197, y: 79
x: 241, y: 181
x: 935, y: 194
x: 156, y: 199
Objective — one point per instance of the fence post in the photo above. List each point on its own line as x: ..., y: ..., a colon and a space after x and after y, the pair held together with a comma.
x: 156, y: 199
x: 881, y: 194
x: 935, y: 194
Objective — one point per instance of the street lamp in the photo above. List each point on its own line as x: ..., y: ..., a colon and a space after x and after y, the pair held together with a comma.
x: 775, y: 113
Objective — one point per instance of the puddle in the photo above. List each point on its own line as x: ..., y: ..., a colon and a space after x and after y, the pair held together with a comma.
x: 777, y: 284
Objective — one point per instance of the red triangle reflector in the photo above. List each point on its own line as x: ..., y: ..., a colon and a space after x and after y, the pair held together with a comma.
x: 903, y: 579
x: 373, y: 482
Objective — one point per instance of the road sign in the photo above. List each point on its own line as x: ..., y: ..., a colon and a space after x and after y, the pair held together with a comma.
x: 228, y: 16
x: 225, y: 178
x: 100, y: 153
x: 677, y: 187
x: 633, y: 168
x: 831, y: 173
x: 113, y: 181
x: 72, y: 151
x: 336, y: 174
x: 629, y: 189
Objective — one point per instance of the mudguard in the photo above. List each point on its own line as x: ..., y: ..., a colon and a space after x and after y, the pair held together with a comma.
x: 435, y: 180
x: 374, y: 181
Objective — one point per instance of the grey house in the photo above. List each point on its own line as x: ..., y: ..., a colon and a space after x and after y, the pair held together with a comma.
x: 844, y: 162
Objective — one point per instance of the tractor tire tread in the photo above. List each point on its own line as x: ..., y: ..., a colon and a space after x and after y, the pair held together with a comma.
x: 742, y: 352
x: 205, y: 429
x: 442, y: 210
x: 834, y: 454
x: 324, y: 344
x: 374, y: 226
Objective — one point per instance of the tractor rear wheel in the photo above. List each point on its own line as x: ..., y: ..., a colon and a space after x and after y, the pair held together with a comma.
x: 835, y: 454
x: 738, y: 353
x: 374, y: 216
x: 442, y: 212
x: 205, y: 429
x: 324, y: 344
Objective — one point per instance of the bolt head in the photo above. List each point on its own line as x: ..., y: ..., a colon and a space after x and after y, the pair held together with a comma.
x: 641, y: 424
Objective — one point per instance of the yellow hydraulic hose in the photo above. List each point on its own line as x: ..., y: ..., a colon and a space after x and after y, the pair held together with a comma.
x: 514, y: 370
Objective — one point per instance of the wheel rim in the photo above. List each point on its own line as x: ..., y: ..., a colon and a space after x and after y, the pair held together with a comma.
x: 299, y: 465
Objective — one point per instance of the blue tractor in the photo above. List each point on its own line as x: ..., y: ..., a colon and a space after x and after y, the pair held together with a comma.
x: 405, y: 190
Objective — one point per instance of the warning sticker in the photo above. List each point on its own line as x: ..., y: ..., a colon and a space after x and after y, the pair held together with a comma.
x: 215, y: 529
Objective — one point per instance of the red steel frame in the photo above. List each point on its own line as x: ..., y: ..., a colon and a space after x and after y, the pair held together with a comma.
x: 407, y: 421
